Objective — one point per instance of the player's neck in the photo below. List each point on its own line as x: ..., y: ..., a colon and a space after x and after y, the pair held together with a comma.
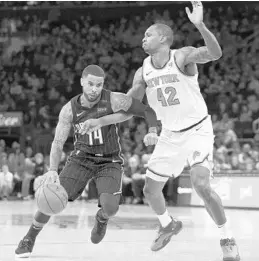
x: 85, y: 103
x: 161, y: 58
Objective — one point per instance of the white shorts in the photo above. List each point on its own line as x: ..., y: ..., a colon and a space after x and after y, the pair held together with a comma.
x: 175, y: 150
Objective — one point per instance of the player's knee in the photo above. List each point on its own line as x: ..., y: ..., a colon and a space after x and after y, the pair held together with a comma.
x: 146, y: 191
x: 149, y: 192
x: 110, y: 203
x: 200, y: 178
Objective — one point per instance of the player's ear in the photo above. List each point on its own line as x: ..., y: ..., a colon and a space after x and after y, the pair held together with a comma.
x: 163, y: 38
x: 81, y: 81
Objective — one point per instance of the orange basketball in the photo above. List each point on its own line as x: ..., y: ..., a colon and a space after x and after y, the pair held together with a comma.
x: 51, y: 198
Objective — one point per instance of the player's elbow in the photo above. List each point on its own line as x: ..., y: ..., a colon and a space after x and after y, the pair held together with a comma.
x: 217, y: 54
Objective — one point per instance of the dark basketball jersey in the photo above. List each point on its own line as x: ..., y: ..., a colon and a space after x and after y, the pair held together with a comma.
x: 104, y: 141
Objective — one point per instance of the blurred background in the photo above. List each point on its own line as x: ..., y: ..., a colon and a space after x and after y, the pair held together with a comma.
x: 44, y: 46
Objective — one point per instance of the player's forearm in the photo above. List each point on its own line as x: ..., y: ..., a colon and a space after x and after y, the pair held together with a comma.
x: 55, y: 156
x: 210, y: 40
x: 139, y: 109
x: 114, y: 118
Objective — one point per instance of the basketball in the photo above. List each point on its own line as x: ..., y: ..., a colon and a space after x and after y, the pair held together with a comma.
x: 51, y: 198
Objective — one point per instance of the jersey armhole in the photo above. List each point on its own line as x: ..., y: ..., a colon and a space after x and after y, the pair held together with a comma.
x: 143, y: 72
x: 73, y: 107
x: 143, y: 66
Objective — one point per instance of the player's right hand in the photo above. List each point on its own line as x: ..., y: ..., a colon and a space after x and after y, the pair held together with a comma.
x: 51, y: 177
x: 89, y: 126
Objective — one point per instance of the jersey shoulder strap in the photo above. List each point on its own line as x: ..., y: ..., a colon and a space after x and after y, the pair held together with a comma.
x: 74, y: 106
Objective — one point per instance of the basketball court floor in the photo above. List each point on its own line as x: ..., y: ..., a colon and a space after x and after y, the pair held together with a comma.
x: 129, y: 235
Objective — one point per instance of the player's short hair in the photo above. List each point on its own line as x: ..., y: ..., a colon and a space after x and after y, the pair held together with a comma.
x: 166, y: 31
x: 93, y: 70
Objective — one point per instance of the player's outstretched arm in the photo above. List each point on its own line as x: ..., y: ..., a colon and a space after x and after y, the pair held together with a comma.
x: 212, y: 51
x: 137, y: 91
x: 61, y: 135
x: 127, y: 104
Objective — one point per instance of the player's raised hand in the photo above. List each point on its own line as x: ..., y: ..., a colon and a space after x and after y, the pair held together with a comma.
x: 150, y: 139
x: 196, y: 16
x: 89, y: 126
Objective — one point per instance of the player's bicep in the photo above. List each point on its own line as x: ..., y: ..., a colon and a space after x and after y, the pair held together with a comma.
x: 120, y: 102
x: 138, y: 86
x: 64, y: 125
x: 196, y: 55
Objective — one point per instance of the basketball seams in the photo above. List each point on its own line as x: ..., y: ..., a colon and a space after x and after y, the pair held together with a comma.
x: 56, y: 196
x: 47, y: 201
x: 38, y: 196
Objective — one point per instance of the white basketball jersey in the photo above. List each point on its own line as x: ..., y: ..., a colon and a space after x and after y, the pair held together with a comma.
x: 175, y: 97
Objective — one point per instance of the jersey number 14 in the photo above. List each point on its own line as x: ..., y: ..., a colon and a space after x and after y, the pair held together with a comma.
x: 171, y: 100
x: 95, y: 137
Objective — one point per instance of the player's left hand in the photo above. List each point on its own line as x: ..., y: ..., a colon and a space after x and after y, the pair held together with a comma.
x: 196, y: 16
x: 89, y: 126
x: 150, y: 139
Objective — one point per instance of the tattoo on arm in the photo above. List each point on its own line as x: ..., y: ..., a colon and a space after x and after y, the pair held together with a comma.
x: 61, y: 135
x: 138, y: 86
x: 120, y: 102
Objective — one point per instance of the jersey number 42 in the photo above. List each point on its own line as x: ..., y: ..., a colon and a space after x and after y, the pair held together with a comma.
x: 170, y: 92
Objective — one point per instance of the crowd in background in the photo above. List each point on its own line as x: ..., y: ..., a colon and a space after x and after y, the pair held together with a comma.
x: 40, y: 71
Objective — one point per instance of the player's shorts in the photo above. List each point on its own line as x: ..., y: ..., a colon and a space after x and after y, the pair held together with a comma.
x: 175, y: 150
x: 81, y: 167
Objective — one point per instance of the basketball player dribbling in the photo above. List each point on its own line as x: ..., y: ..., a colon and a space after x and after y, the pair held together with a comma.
x: 169, y: 77
x: 97, y: 155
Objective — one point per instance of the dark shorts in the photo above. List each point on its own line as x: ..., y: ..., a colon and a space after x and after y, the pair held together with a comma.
x: 81, y: 167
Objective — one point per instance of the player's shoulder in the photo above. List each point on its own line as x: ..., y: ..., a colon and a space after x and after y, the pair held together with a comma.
x: 66, y: 111
x: 180, y: 55
x: 139, y: 71
x: 139, y: 77
x: 75, y: 98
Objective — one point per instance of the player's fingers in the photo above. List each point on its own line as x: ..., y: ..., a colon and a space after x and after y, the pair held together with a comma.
x: 187, y: 10
x: 154, y: 141
x: 196, y: 4
x: 57, y: 180
x: 90, y: 130
x: 150, y: 141
x: 83, y: 132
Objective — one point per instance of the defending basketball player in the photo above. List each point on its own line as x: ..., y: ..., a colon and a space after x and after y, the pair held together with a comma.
x: 169, y: 77
x: 96, y: 155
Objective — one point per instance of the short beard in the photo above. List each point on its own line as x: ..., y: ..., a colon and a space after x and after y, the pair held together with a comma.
x: 89, y: 100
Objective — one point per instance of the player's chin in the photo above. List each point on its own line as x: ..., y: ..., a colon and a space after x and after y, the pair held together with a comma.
x: 144, y: 47
x: 146, y: 50
x: 92, y: 98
